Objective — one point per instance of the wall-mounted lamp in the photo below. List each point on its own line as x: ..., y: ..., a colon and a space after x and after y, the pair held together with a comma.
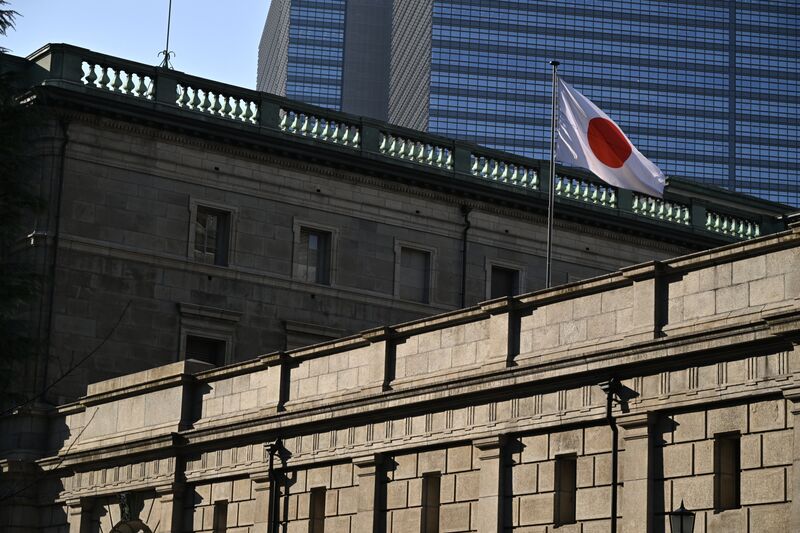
x: 681, y: 520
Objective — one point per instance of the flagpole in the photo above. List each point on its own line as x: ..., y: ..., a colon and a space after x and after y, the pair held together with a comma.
x: 551, y: 192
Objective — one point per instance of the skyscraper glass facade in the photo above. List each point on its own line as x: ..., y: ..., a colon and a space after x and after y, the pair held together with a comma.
x: 709, y: 90
x: 316, y: 52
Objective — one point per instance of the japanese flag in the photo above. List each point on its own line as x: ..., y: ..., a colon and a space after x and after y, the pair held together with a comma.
x: 587, y: 138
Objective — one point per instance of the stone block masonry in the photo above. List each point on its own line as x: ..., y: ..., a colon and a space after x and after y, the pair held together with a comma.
x: 516, y: 440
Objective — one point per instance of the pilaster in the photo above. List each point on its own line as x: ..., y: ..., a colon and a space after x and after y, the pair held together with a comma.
x: 367, y: 471
x: 78, y: 515
x: 500, y: 331
x: 636, y: 463
x: 262, y: 496
x: 490, y: 491
x: 171, y: 499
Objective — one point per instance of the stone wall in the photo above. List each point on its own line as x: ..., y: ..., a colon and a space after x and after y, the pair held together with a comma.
x: 348, y: 417
x: 235, y: 495
x: 531, y: 473
x: 687, y: 464
x: 126, y: 224
x: 458, y: 473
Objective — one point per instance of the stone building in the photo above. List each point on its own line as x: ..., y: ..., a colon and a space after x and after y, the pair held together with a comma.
x: 197, y: 225
x: 595, y: 406
x: 226, y: 222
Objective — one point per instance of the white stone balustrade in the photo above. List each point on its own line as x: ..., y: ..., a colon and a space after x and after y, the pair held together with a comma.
x: 217, y: 104
x: 501, y: 171
x: 657, y: 208
x: 116, y: 79
x: 585, y: 191
x: 319, y: 128
x: 416, y: 151
x: 729, y: 225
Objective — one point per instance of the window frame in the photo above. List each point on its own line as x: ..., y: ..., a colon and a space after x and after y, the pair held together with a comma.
x: 317, y: 500
x: 220, y: 516
x: 562, y: 516
x: 721, y: 440
x: 522, y: 274
x: 194, y: 205
x: 432, y: 270
x: 298, y: 225
x: 431, y: 502
x: 210, y: 323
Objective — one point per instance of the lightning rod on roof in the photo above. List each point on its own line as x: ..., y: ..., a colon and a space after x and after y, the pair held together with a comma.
x: 166, y: 51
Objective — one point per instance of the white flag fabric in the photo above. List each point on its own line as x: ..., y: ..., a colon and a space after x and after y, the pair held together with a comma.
x: 587, y: 138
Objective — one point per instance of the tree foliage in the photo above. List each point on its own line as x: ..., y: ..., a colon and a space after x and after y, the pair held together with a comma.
x: 6, y: 20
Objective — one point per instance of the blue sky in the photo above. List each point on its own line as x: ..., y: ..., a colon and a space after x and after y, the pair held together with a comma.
x: 212, y: 39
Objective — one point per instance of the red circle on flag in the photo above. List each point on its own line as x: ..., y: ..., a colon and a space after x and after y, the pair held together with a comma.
x: 608, y: 143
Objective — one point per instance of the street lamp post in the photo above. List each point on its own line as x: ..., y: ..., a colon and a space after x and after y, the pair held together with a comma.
x: 681, y: 520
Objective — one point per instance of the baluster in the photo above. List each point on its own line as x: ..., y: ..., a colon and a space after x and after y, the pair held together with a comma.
x: 91, y: 77
x: 430, y: 154
x: 205, y: 101
x: 194, y: 101
x: 440, y: 156
x: 116, y: 82
x: 495, y: 169
x: 150, y: 84
x: 183, y: 97
x: 216, y: 109
x: 236, y: 112
x: 225, y: 106
x: 128, y: 86
x: 104, y: 79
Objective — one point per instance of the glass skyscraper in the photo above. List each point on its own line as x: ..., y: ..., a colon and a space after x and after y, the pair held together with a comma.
x: 708, y: 89
x: 330, y: 53
x: 312, y: 58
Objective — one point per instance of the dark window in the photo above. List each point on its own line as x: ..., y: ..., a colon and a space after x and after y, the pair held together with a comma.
x: 316, y: 510
x: 211, y: 236
x: 205, y: 349
x: 431, y: 486
x: 220, y: 517
x: 415, y: 275
x: 505, y: 281
x: 314, y: 256
x: 566, y: 488
x: 726, y: 471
